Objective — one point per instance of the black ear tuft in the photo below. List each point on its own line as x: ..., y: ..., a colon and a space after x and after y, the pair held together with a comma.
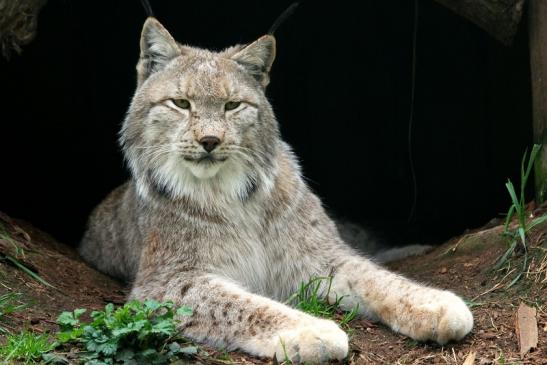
x: 258, y: 58
x: 157, y: 49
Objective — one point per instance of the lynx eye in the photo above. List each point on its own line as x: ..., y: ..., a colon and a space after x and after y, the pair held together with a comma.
x: 182, y: 103
x: 231, y: 105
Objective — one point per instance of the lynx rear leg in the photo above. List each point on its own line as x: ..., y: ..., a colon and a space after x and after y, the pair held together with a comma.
x: 417, y: 311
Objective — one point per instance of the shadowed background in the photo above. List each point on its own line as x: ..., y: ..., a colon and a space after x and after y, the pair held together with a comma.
x: 341, y: 89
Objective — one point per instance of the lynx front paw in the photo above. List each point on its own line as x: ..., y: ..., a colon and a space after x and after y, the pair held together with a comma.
x: 315, y: 342
x: 445, y: 317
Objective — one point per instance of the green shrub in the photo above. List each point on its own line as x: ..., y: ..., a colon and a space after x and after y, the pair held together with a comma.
x: 137, y: 333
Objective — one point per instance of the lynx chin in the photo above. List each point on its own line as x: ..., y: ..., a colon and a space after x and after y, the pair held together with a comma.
x: 217, y: 215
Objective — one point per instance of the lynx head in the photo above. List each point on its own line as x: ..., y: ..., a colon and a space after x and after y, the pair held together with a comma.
x: 199, y: 125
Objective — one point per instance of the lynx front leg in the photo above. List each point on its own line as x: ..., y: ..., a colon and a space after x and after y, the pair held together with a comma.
x: 225, y: 315
x: 414, y: 310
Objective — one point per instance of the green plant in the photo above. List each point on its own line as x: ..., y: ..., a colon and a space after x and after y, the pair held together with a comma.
x: 137, y: 333
x: 223, y: 357
x: 310, y: 299
x: 472, y: 303
x: 518, y: 210
x: 8, y: 304
x: 347, y: 317
x: 25, y: 347
x: 286, y: 359
x: 15, y: 262
x: 500, y: 360
x: 411, y: 343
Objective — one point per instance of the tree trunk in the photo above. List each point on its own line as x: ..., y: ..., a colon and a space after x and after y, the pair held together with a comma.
x: 538, y: 64
x: 500, y: 18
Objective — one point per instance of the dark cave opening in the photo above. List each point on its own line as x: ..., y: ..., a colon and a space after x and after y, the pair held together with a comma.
x: 340, y: 87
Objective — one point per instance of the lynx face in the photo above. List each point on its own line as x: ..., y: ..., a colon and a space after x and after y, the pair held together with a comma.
x: 199, y: 124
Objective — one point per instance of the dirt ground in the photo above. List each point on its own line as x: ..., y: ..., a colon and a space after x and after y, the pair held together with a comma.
x: 463, y: 264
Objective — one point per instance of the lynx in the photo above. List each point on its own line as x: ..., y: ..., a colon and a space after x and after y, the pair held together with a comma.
x: 217, y: 215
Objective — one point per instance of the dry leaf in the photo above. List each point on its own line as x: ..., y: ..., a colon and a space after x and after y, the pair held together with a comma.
x: 526, y: 328
x: 470, y: 359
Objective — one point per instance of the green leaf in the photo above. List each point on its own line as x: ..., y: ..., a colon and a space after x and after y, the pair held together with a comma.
x: 174, y: 348
x: 513, y: 195
x: 98, y: 362
x: 68, y: 320
x: 125, y: 355
x: 522, y: 236
x: 472, y: 304
x: 133, y: 305
x: 189, y: 350
x: 149, y: 353
x: 53, y: 358
x: 503, y: 259
x: 184, y: 311
x: 132, y: 327
x: 109, y: 308
x: 65, y: 318
x: 63, y: 337
x: 164, y: 327
x: 109, y: 348
x: 78, y: 312
x: 67, y: 336
x: 152, y: 305
x: 28, y: 271
x: 535, y: 149
x: 508, y: 218
x: 537, y: 221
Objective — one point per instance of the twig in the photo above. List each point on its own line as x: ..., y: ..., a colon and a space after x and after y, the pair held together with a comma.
x: 495, y: 287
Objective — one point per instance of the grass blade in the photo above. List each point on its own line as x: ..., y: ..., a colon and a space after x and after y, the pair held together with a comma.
x: 522, y: 271
x: 523, y: 177
x: 511, y: 189
x: 537, y: 221
x: 508, y: 218
x: 350, y: 316
x: 535, y: 150
x: 522, y: 236
x: 27, y: 271
x: 503, y: 259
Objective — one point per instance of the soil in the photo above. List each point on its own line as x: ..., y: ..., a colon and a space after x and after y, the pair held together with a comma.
x: 463, y: 264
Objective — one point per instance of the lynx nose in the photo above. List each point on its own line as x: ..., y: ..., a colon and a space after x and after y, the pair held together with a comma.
x: 209, y: 143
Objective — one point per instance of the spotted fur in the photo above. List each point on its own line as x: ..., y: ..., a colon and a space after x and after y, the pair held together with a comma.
x: 234, y: 232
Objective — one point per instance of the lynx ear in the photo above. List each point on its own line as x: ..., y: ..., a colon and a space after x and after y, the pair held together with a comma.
x: 157, y: 49
x: 258, y: 58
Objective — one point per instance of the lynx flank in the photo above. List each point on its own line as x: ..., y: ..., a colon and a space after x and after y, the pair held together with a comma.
x: 217, y: 215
